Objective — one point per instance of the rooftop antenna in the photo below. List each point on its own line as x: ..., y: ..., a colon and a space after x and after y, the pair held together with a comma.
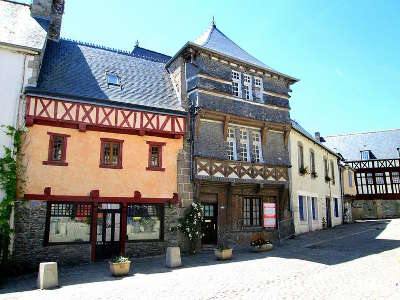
x: 213, y: 22
x: 137, y: 43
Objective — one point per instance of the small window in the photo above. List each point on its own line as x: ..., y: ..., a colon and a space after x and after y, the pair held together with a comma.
x: 244, y: 144
x: 113, y: 79
x: 235, y: 75
x: 257, y: 149
x: 350, y: 174
x: 300, y: 157
x: 144, y: 222
x: 326, y: 168
x: 257, y: 82
x: 252, y: 211
x: 231, y: 140
x: 236, y: 84
x: 155, y: 156
x: 379, y: 178
x: 301, y: 208
x: 365, y: 155
x: 57, y: 152
x: 336, y: 210
x: 111, y: 153
x: 235, y: 89
x: 68, y: 223
x: 312, y: 162
x: 246, y: 92
x: 396, y: 177
x: 332, y: 172
x: 246, y: 79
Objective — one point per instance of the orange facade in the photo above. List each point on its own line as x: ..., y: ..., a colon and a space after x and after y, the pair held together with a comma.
x: 83, y: 173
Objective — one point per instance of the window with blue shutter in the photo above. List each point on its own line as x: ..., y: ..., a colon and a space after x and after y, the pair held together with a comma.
x: 301, y: 211
x: 313, y: 203
x: 336, y: 207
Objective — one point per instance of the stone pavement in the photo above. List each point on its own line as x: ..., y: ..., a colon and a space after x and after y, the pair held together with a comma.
x: 357, y: 261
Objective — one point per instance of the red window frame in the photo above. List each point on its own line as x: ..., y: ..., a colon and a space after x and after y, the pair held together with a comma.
x: 158, y: 145
x: 115, y: 141
x: 63, y: 161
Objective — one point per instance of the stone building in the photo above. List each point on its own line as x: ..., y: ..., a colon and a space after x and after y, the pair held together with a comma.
x: 375, y: 160
x: 315, y: 182
x: 238, y: 111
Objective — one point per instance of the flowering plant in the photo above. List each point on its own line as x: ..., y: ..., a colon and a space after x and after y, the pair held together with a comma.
x: 259, y: 242
x: 190, y: 224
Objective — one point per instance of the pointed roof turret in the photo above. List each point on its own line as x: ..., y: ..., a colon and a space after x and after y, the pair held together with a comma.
x: 215, y: 40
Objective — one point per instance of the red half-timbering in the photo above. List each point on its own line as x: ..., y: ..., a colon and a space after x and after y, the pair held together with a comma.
x: 84, y: 116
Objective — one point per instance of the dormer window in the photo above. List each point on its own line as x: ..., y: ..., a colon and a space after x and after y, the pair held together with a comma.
x: 258, y: 87
x: 113, y: 79
x: 248, y: 91
x: 365, y: 155
x: 236, y: 84
x: 257, y: 82
x: 247, y: 79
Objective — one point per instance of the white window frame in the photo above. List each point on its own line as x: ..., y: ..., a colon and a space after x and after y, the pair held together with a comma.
x: 236, y: 79
x: 231, y: 139
x: 365, y: 155
x: 247, y: 82
x: 108, y: 75
x: 258, y: 86
x: 256, y: 139
x: 244, y: 140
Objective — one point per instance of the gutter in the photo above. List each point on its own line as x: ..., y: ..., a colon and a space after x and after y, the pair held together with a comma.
x: 21, y: 49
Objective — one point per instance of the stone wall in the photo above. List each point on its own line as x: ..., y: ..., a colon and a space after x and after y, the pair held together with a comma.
x: 30, y: 223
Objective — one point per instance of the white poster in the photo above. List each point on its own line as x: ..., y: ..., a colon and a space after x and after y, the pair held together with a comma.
x: 269, y: 215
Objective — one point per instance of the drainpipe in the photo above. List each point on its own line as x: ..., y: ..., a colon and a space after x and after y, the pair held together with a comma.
x: 341, y: 188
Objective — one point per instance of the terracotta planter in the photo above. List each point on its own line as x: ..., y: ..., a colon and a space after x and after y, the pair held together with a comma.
x: 120, y: 269
x: 223, y: 254
x: 263, y: 248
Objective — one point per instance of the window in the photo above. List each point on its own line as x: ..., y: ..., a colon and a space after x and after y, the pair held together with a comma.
x: 300, y: 159
x: 257, y: 148
x: 68, y: 223
x: 248, y: 93
x: 113, y: 79
x: 379, y: 178
x: 336, y: 209
x: 144, y: 222
x: 326, y: 168
x: 57, y: 152
x: 301, y: 208
x: 312, y: 162
x: 257, y: 82
x: 396, y: 177
x: 332, y: 172
x: 365, y: 155
x: 350, y: 174
x: 258, y: 87
x: 155, y: 156
x: 314, y: 207
x: 244, y: 144
x: 111, y: 153
x: 231, y: 144
x: 252, y: 211
x: 370, y: 179
x: 236, y: 84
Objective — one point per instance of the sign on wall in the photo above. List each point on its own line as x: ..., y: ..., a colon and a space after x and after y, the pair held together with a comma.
x: 269, y: 215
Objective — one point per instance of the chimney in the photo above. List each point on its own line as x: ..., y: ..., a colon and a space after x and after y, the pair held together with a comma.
x: 51, y: 10
x: 318, y: 136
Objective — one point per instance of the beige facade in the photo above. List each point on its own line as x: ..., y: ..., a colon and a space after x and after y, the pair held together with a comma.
x: 315, y: 199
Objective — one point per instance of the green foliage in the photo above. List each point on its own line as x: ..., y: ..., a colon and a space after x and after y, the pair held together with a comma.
x: 119, y: 259
x: 10, y: 183
x: 190, y: 224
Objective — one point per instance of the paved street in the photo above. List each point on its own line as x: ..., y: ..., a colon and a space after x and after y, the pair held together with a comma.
x: 358, y: 261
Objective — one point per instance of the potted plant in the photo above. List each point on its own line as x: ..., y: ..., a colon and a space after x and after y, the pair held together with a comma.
x: 314, y: 174
x: 119, y: 266
x: 303, y: 170
x: 327, y: 178
x: 222, y: 252
x: 261, y: 245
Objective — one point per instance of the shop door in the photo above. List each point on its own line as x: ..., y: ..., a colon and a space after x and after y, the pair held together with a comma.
x: 108, y: 231
x: 209, y: 224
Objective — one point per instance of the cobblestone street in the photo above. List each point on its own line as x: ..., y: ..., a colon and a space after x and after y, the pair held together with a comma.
x: 358, y: 261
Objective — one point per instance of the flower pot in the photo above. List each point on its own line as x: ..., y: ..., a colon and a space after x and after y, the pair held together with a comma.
x: 223, y: 254
x: 262, y: 248
x: 120, y: 269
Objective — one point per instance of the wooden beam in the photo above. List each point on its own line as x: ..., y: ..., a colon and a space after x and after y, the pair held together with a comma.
x: 226, y: 125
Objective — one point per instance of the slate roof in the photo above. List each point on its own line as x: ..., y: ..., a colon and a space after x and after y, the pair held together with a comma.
x: 296, y: 126
x: 74, y: 69
x: 213, y: 39
x: 382, y: 144
x: 150, y: 55
x: 19, y: 28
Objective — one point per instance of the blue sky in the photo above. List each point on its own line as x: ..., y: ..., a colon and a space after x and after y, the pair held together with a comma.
x: 345, y: 53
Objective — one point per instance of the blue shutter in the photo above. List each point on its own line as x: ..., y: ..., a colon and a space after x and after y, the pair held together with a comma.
x: 336, y: 208
x: 313, y: 207
x: 301, y: 208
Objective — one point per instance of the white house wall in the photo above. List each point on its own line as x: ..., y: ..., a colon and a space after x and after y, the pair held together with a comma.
x: 307, y: 186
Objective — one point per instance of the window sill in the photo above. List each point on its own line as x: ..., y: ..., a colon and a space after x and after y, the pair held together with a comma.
x: 110, y: 167
x: 155, y: 169
x: 55, y: 163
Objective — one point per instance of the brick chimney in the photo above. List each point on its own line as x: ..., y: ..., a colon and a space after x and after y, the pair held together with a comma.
x: 51, y: 10
x: 318, y: 136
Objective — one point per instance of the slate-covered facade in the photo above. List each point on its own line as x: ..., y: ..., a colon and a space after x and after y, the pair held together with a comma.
x: 238, y: 111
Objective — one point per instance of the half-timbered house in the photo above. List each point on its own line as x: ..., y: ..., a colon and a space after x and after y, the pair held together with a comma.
x: 104, y: 129
x: 238, y: 109
x: 375, y: 159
